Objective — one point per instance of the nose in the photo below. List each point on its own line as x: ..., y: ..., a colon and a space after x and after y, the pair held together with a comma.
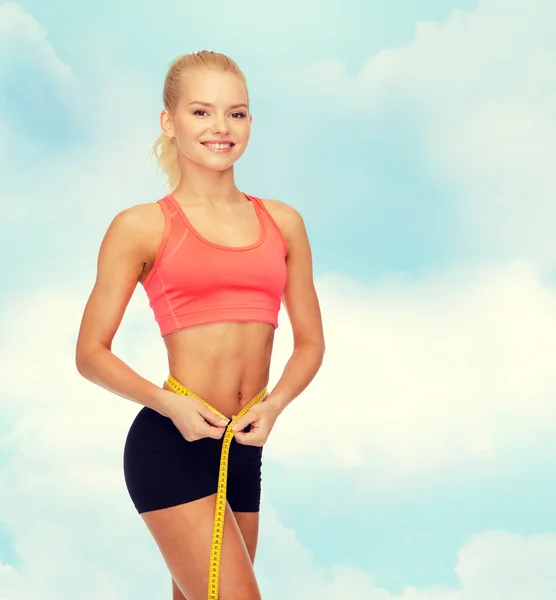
x: 219, y: 124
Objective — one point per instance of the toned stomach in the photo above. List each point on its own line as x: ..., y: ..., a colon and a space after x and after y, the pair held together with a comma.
x: 226, y: 364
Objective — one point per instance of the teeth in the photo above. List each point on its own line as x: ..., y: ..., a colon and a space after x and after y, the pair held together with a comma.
x: 218, y: 145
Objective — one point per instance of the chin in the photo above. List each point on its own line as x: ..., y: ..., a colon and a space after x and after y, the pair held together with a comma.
x: 218, y: 163
x: 223, y: 166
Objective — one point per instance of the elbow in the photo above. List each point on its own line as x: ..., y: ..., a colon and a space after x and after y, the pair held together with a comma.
x: 322, y: 349
x: 318, y: 351
x: 83, y: 360
x: 80, y: 362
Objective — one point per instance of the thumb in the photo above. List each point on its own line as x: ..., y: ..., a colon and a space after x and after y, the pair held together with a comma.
x: 243, y: 421
x: 212, y: 417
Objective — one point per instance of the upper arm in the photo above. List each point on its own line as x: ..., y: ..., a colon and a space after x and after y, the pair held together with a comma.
x: 300, y: 297
x: 122, y: 255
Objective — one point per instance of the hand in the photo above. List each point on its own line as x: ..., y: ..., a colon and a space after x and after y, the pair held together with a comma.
x: 261, y: 417
x: 194, y: 420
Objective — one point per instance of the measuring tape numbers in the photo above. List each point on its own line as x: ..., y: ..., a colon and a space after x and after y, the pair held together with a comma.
x: 220, y: 509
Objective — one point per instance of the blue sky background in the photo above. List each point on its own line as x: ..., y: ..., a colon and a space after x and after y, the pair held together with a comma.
x: 418, y: 142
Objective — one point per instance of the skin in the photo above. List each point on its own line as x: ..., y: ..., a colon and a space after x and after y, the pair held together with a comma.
x: 226, y: 364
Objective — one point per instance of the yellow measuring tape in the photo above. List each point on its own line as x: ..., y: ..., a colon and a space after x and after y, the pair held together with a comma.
x: 220, y: 510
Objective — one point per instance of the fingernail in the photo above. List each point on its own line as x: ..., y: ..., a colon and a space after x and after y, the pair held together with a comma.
x: 225, y: 421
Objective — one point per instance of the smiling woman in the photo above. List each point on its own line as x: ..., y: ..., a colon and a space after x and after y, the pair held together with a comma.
x: 183, y: 116
x: 216, y: 264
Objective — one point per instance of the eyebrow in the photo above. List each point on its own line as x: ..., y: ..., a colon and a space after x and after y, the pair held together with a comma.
x: 212, y: 105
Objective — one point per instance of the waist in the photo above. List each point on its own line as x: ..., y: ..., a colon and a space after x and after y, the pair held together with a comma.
x: 226, y: 364
x: 227, y: 402
x: 177, y: 387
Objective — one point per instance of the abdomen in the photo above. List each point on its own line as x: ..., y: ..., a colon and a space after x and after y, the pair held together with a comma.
x: 226, y: 364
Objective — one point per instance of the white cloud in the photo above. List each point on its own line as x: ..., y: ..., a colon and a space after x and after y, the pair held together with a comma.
x: 447, y: 373
x: 508, y: 565
x: 490, y: 566
x: 479, y: 92
x: 423, y: 377
x: 453, y: 371
x: 66, y: 542
x: 21, y: 32
x: 91, y: 181
x: 29, y: 65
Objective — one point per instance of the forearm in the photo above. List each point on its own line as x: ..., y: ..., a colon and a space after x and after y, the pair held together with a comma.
x: 102, y: 367
x: 299, y: 371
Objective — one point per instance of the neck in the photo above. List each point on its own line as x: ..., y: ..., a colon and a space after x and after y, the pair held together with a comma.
x: 198, y: 185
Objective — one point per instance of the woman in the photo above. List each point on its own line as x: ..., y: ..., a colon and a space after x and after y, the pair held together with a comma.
x: 216, y: 264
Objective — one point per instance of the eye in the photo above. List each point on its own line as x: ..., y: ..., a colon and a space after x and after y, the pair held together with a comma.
x: 242, y: 115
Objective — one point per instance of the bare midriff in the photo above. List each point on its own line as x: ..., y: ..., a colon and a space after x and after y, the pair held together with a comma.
x: 226, y: 364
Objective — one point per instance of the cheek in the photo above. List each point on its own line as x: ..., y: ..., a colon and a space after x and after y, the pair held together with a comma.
x: 244, y: 130
x: 186, y: 130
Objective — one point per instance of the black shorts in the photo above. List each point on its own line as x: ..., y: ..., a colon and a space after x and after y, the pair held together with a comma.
x: 163, y: 469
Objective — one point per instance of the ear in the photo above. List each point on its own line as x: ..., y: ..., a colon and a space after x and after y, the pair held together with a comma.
x: 166, y: 123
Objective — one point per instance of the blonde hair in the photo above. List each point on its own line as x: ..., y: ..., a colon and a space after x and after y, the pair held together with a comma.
x: 164, y: 149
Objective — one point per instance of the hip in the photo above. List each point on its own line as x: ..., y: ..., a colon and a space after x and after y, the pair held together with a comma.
x: 153, y: 434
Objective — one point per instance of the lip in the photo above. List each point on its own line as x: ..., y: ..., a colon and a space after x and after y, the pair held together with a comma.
x: 219, y: 150
x: 218, y: 142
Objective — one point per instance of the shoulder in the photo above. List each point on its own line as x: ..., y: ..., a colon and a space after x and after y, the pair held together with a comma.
x: 136, y: 221
x: 280, y: 209
x: 134, y: 233
x: 288, y: 219
x: 137, y: 217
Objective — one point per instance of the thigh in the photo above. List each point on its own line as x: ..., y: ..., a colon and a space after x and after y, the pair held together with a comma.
x: 176, y: 592
x: 244, y: 491
x: 249, y: 526
x: 183, y: 534
x: 248, y: 523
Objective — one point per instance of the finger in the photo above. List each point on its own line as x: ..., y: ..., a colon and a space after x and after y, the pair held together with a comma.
x: 212, y: 431
x: 251, y: 438
x: 242, y: 422
x: 247, y: 439
x: 211, y: 417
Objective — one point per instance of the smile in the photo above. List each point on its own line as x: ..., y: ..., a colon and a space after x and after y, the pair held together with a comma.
x: 219, y: 147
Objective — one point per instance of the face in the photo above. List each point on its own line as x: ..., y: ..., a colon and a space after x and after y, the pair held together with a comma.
x: 195, y: 123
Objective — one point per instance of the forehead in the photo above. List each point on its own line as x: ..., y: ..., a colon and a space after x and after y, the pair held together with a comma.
x: 212, y: 86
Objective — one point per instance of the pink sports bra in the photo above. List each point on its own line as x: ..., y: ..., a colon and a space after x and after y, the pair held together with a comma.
x: 195, y: 281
